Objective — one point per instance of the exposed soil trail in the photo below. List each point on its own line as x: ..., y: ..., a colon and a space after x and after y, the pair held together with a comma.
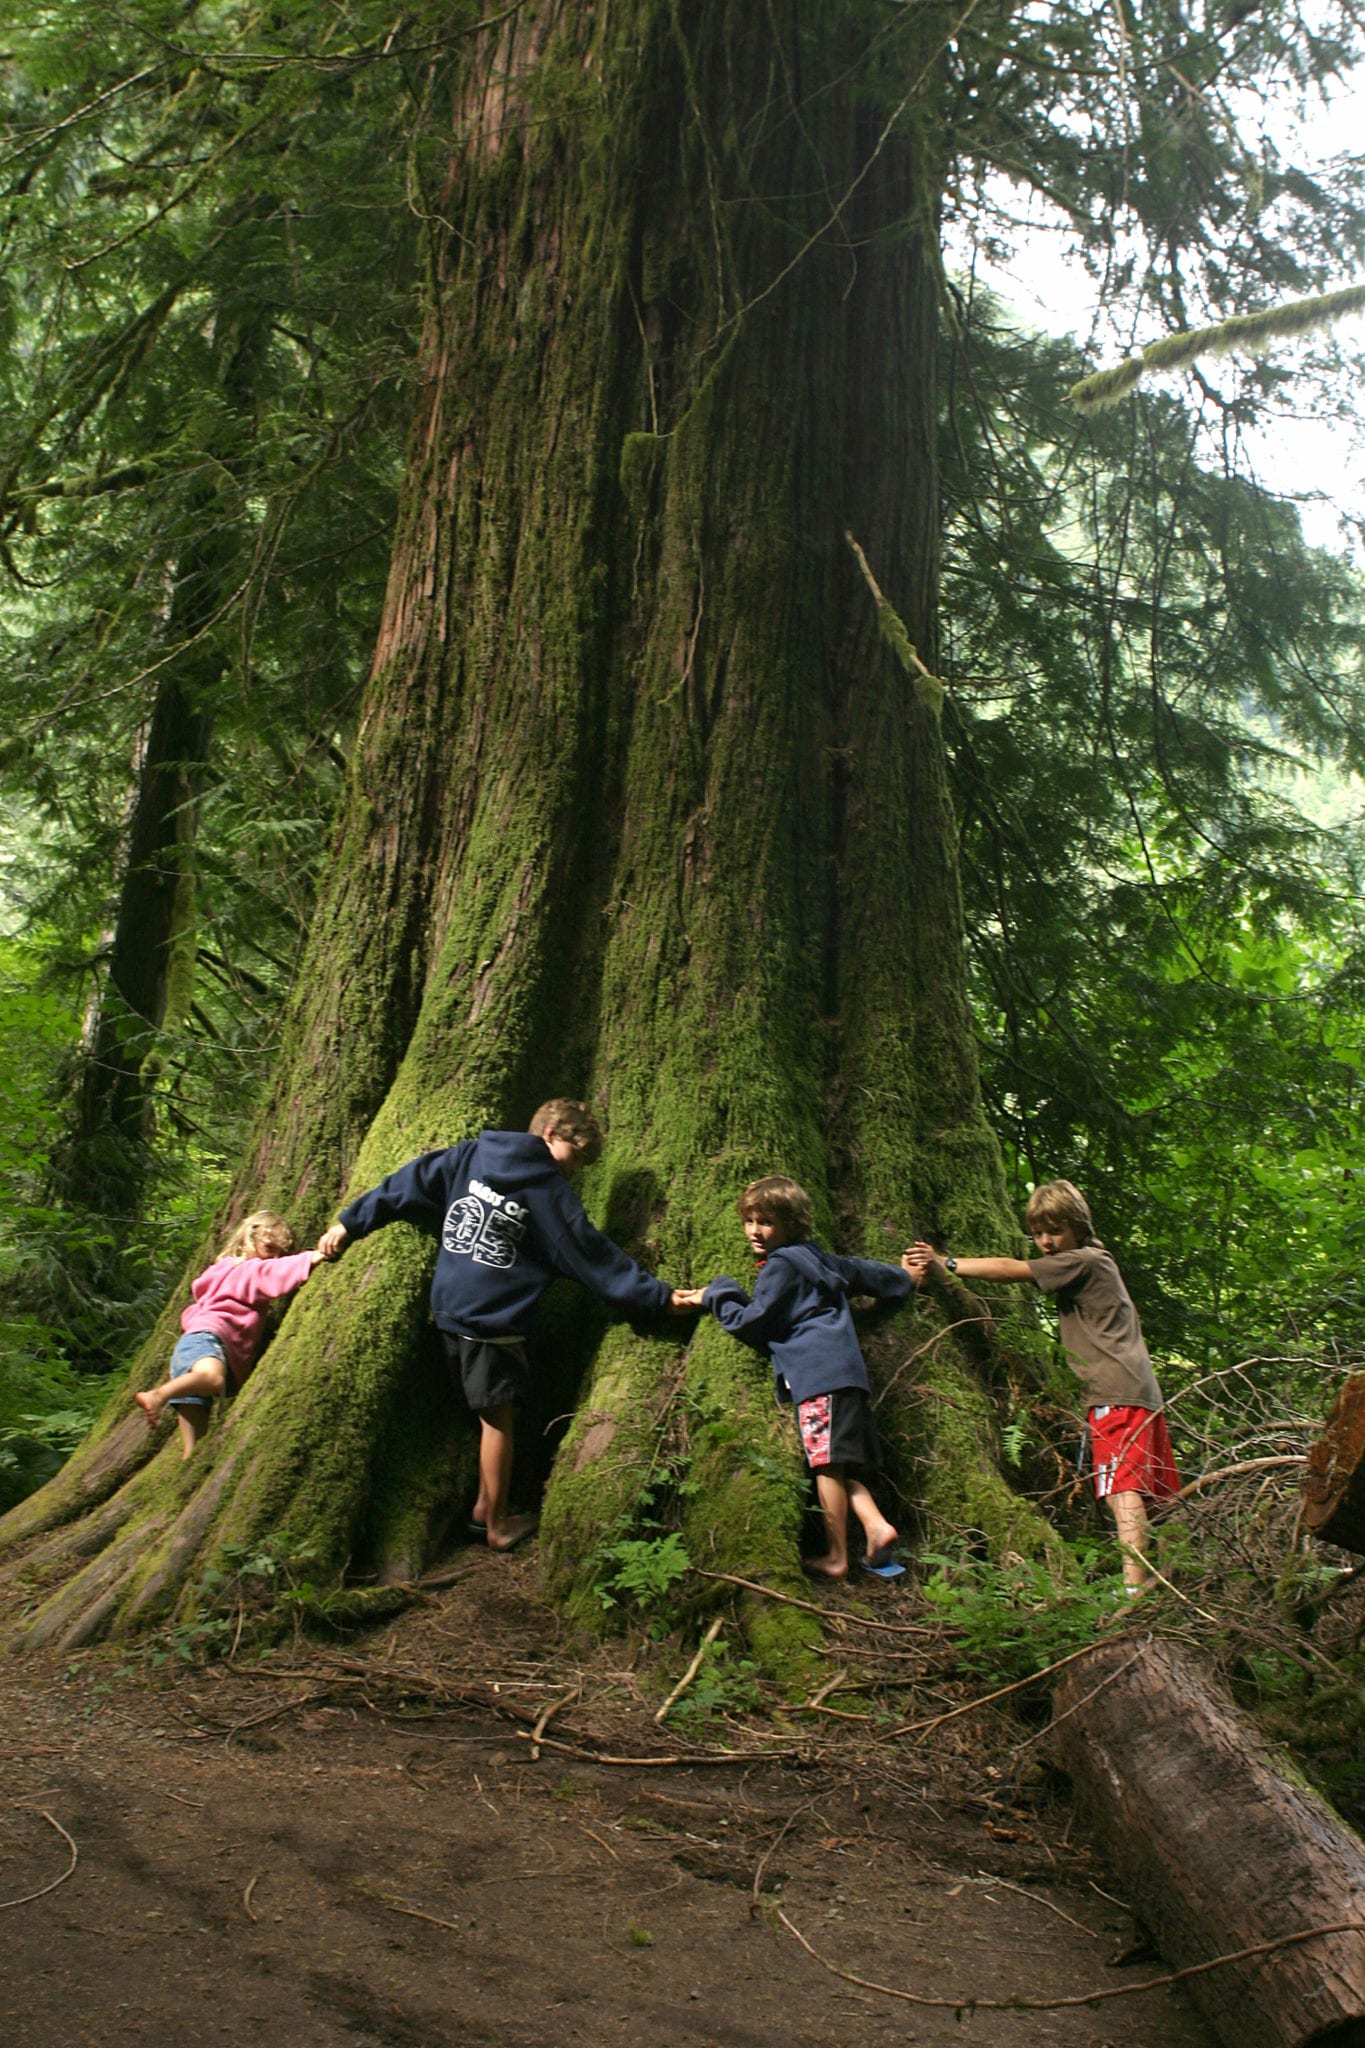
x: 338, y: 1874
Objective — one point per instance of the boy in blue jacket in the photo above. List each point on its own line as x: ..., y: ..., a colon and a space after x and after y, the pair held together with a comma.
x: 507, y: 1221
x: 799, y: 1318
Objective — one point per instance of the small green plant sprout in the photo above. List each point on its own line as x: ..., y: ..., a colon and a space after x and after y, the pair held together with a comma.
x: 642, y: 1570
x: 639, y: 1937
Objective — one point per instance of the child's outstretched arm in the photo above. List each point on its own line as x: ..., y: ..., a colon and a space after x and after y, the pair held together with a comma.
x: 922, y: 1262
x: 755, y: 1320
x: 415, y: 1194
x: 257, y: 1280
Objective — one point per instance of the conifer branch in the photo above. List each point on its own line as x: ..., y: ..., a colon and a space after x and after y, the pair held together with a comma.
x: 1250, y: 331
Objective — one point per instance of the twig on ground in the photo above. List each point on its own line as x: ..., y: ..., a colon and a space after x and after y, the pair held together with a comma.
x: 654, y: 1763
x: 1038, y: 1900
x: 775, y: 1843
x: 970, y: 1706
x: 693, y: 1668
x: 892, y: 1628
x: 28, y: 1897
x: 817, y: 1699
x: 452, y: 1926
x: 198, y: 1804
x: 273, y: 1713
x: 247, y: 1908
x: 547, y: 1713
x: 435, y: 1582
x: 1016, y: 2003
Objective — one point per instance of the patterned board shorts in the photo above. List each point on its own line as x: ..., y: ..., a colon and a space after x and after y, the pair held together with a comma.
x: 1132, y: 1453
x: 837, y: 1429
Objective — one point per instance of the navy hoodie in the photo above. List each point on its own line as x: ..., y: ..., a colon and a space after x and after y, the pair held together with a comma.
x: 799, y: 1315
x: 508, y: 1221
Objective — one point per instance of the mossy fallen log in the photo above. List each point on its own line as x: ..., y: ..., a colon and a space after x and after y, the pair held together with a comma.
x: 1219, y: 1846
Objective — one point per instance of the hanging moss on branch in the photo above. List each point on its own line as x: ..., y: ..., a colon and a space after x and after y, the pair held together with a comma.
x: 1247, y: 331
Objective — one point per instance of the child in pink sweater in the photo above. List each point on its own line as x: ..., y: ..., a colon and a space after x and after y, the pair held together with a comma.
x: 224, y: 1323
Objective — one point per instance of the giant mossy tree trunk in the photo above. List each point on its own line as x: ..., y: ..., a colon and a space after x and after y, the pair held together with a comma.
x: 646, y: 806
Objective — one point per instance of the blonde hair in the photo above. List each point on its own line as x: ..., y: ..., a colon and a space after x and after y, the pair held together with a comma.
x: 776, y: 1198
x: 574, y: 1122
x: 261, y: 1235
x: 1059, y: 1204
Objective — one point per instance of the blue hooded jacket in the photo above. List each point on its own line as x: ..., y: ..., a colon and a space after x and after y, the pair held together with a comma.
x: 799, y: 1315
x: 508, y: 1221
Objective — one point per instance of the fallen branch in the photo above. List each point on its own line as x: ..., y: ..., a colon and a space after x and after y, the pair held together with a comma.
x: 921, y: 1727
x: 273, y: 1713
x: 892, y: 1628
x: 817, y: 1699
x: 28, y: 1897
x: 452, y: 1926
x: 693, y: 1668
x: 1037, y: 1899
x: 1233, y: 1471
x: 547, y: 1712
x: 651, y: 1763
x: 775, y: 1843
x: 1016, y: 2002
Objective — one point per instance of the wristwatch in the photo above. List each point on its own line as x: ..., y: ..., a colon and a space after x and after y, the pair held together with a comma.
x: 950, y: 1265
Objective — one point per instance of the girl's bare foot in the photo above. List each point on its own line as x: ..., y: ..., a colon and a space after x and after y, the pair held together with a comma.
x: 826, y: 1568
x: 513, y: 1531
x: 150, y: 1405
x: 880, y: 1543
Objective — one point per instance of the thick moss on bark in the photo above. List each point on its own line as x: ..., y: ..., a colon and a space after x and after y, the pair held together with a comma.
x: 644, y: 806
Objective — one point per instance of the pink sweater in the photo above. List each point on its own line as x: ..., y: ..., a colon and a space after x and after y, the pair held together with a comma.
x: 230, y: 1300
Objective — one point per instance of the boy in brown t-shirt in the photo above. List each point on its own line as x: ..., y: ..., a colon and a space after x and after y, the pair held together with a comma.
x: 1104, y: 1347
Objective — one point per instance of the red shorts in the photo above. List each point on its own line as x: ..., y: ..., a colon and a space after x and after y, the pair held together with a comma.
x: 1131, y: 1449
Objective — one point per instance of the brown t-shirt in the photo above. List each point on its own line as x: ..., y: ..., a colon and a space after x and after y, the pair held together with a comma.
x: 1100, y: 1331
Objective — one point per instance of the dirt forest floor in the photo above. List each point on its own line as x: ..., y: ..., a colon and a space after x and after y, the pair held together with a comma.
x: 367, y: 1846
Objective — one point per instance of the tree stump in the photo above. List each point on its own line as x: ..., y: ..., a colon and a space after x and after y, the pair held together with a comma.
x: 1218, y: 1846
x: 1334, y: 1485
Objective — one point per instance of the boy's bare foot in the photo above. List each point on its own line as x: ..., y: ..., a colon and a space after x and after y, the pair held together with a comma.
x: 513, y: 1531
x: 880, y: 1544
x: 150, y: 1406
x: 826, y: 1568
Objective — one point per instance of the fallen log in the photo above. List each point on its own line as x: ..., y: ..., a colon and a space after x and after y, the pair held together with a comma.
x: 1334, y: 1484
x: 1218, y: 1845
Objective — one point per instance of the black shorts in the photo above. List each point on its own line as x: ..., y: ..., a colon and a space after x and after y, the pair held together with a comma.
x: 837, y: 1429
x: 487, y: 1375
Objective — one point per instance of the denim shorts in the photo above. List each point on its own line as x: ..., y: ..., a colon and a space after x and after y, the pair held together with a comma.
x: 190, y: 1350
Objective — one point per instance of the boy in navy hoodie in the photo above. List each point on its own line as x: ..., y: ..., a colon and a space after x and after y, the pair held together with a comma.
x: 799, y: 1318
x: 507, y: 1221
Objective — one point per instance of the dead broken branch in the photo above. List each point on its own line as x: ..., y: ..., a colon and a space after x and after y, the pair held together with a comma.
x: 693, y: 1668
x: 970, y: 1706
x: 28, y: 1897
x: 827, y: 1614
x: 1016, y: 2002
